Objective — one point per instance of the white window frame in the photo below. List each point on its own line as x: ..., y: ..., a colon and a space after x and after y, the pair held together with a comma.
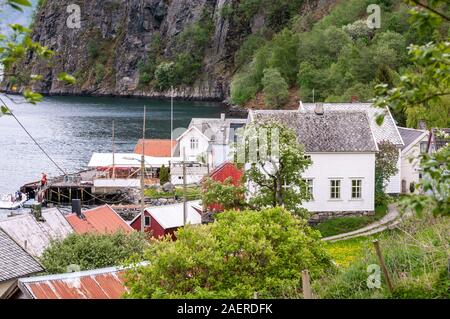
x: 149, y: 221
x: 310, y: 187
x: 359, y: 188
x: 338, y: 189
x: 194, y: 143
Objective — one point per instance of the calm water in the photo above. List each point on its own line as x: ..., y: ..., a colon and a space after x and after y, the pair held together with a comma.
x: 71, y: 128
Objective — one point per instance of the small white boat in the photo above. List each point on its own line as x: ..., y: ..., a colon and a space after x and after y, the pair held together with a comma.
x: 10, y: 202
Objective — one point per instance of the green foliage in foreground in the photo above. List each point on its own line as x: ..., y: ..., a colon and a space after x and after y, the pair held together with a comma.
x: 238, y: 255
x: 416, y: 256
x: 91, y: 251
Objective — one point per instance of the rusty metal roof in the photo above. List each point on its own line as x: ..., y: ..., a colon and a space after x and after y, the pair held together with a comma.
x: 35, y: 236
x: 156, y: 147
x: 102, y: 220
x: 105, y: 283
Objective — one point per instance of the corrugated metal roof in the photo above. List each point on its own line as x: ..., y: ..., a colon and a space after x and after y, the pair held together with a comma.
x: 106, y: 283
x: 128, y: 160
x: 102, y: 220
x: 156, y: 147
x: 36, y: 236
x: 15, y: 262
x: 385, y: 132
x: 171, y: 216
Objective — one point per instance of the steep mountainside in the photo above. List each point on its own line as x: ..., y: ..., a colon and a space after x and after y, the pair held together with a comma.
x: 137, y: 47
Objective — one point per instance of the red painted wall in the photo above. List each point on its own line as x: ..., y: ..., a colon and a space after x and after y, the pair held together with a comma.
x: 155, y: 228
x: 220, y: 175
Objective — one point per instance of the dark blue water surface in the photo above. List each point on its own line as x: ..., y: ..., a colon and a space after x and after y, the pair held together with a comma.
x: 71, y: 128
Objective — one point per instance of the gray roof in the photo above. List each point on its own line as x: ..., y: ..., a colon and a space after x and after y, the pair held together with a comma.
x: 36, y: 236
x: 14, y: 261
x: 409, y: 135
x: 327, y: 133
x: 384, y: 132
x: 216, y: 129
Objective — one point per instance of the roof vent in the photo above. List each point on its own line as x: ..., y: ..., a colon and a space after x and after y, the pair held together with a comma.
x: 76, y: 207
x: 319, y: 109
x: 222, y: 117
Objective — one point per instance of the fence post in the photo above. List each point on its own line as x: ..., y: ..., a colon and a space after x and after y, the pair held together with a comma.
x: 376, y: 243
x: 306, y: 285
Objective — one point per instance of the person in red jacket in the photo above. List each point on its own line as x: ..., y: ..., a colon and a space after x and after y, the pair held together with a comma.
x: 43, y: 180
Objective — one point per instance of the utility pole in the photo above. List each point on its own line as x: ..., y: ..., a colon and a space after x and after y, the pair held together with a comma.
x: 171, y: 122
x: 143, y: 176
x: 184, y: 188
x: 113, y: 152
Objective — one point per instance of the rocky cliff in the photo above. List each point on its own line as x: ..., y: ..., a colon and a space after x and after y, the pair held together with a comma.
x: 116, y: 36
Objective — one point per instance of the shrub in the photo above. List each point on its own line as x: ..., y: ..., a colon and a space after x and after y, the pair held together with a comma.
x: 243, y: 88
x: 238, y: 255
x: 164, y: 175
x: 275, y: 88
x: 165, y: 75
x: 90, y: 251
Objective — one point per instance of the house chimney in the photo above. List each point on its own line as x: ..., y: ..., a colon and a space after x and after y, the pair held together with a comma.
x: 355, y: 99
x: 422, y: 125
x: 222, y: 117
x: 319, y: 109
x: 36, y: 211
x: 76, y: 207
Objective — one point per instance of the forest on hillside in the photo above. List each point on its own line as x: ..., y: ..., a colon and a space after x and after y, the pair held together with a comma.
x: 334, y: 58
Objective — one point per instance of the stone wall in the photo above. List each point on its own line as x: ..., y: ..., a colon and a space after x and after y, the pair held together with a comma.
x: 319, y: 217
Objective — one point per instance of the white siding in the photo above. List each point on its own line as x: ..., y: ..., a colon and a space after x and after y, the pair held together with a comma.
x: 394, y: 185
x: 410, y: 164
x: 344, y: 167
x: 185, y: 144
x: 220, y: 154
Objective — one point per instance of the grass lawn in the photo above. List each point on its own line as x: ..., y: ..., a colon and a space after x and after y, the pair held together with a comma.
x: 193, y: 193
x: 342, y: 225
x: 345, y: 252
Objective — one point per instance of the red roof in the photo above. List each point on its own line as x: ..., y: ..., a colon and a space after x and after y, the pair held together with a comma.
x: 107, y: 283
x: 155, y: 147
x: 103, y: 220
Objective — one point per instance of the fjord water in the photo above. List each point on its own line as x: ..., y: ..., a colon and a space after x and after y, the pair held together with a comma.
x: 70, y: 129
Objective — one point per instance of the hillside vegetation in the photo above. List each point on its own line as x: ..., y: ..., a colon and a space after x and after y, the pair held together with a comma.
x: 332, y: 59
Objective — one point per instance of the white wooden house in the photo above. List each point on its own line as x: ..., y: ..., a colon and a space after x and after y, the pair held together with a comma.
x: 416, y: 144
x: 387, y: 131
x: 342, y: 148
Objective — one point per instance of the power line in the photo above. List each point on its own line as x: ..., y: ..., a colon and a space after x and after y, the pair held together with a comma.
x: 33, y: 139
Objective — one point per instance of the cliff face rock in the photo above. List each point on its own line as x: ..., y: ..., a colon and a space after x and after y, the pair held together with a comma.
x: 116, y: 35
x: 123, y: 30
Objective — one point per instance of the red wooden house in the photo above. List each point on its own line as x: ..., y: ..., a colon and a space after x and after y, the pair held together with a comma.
x: 165, y: 220
x: 220, y: 174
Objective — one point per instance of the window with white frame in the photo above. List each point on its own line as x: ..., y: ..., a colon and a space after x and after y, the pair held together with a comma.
x: 310, y: 187
x: 335, y: 189
x: 194, y: 143
x: 356, y: 188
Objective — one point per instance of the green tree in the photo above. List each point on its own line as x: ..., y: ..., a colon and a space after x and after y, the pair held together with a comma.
x: 385, y: 167
x: 242, y: 253
x: 165, y: 75
x: 90, y: 251
x: 277, y: 177
x: 14, y: 48
x: 164, y: 175
x: 275, y: 88
x: 226, y: 194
